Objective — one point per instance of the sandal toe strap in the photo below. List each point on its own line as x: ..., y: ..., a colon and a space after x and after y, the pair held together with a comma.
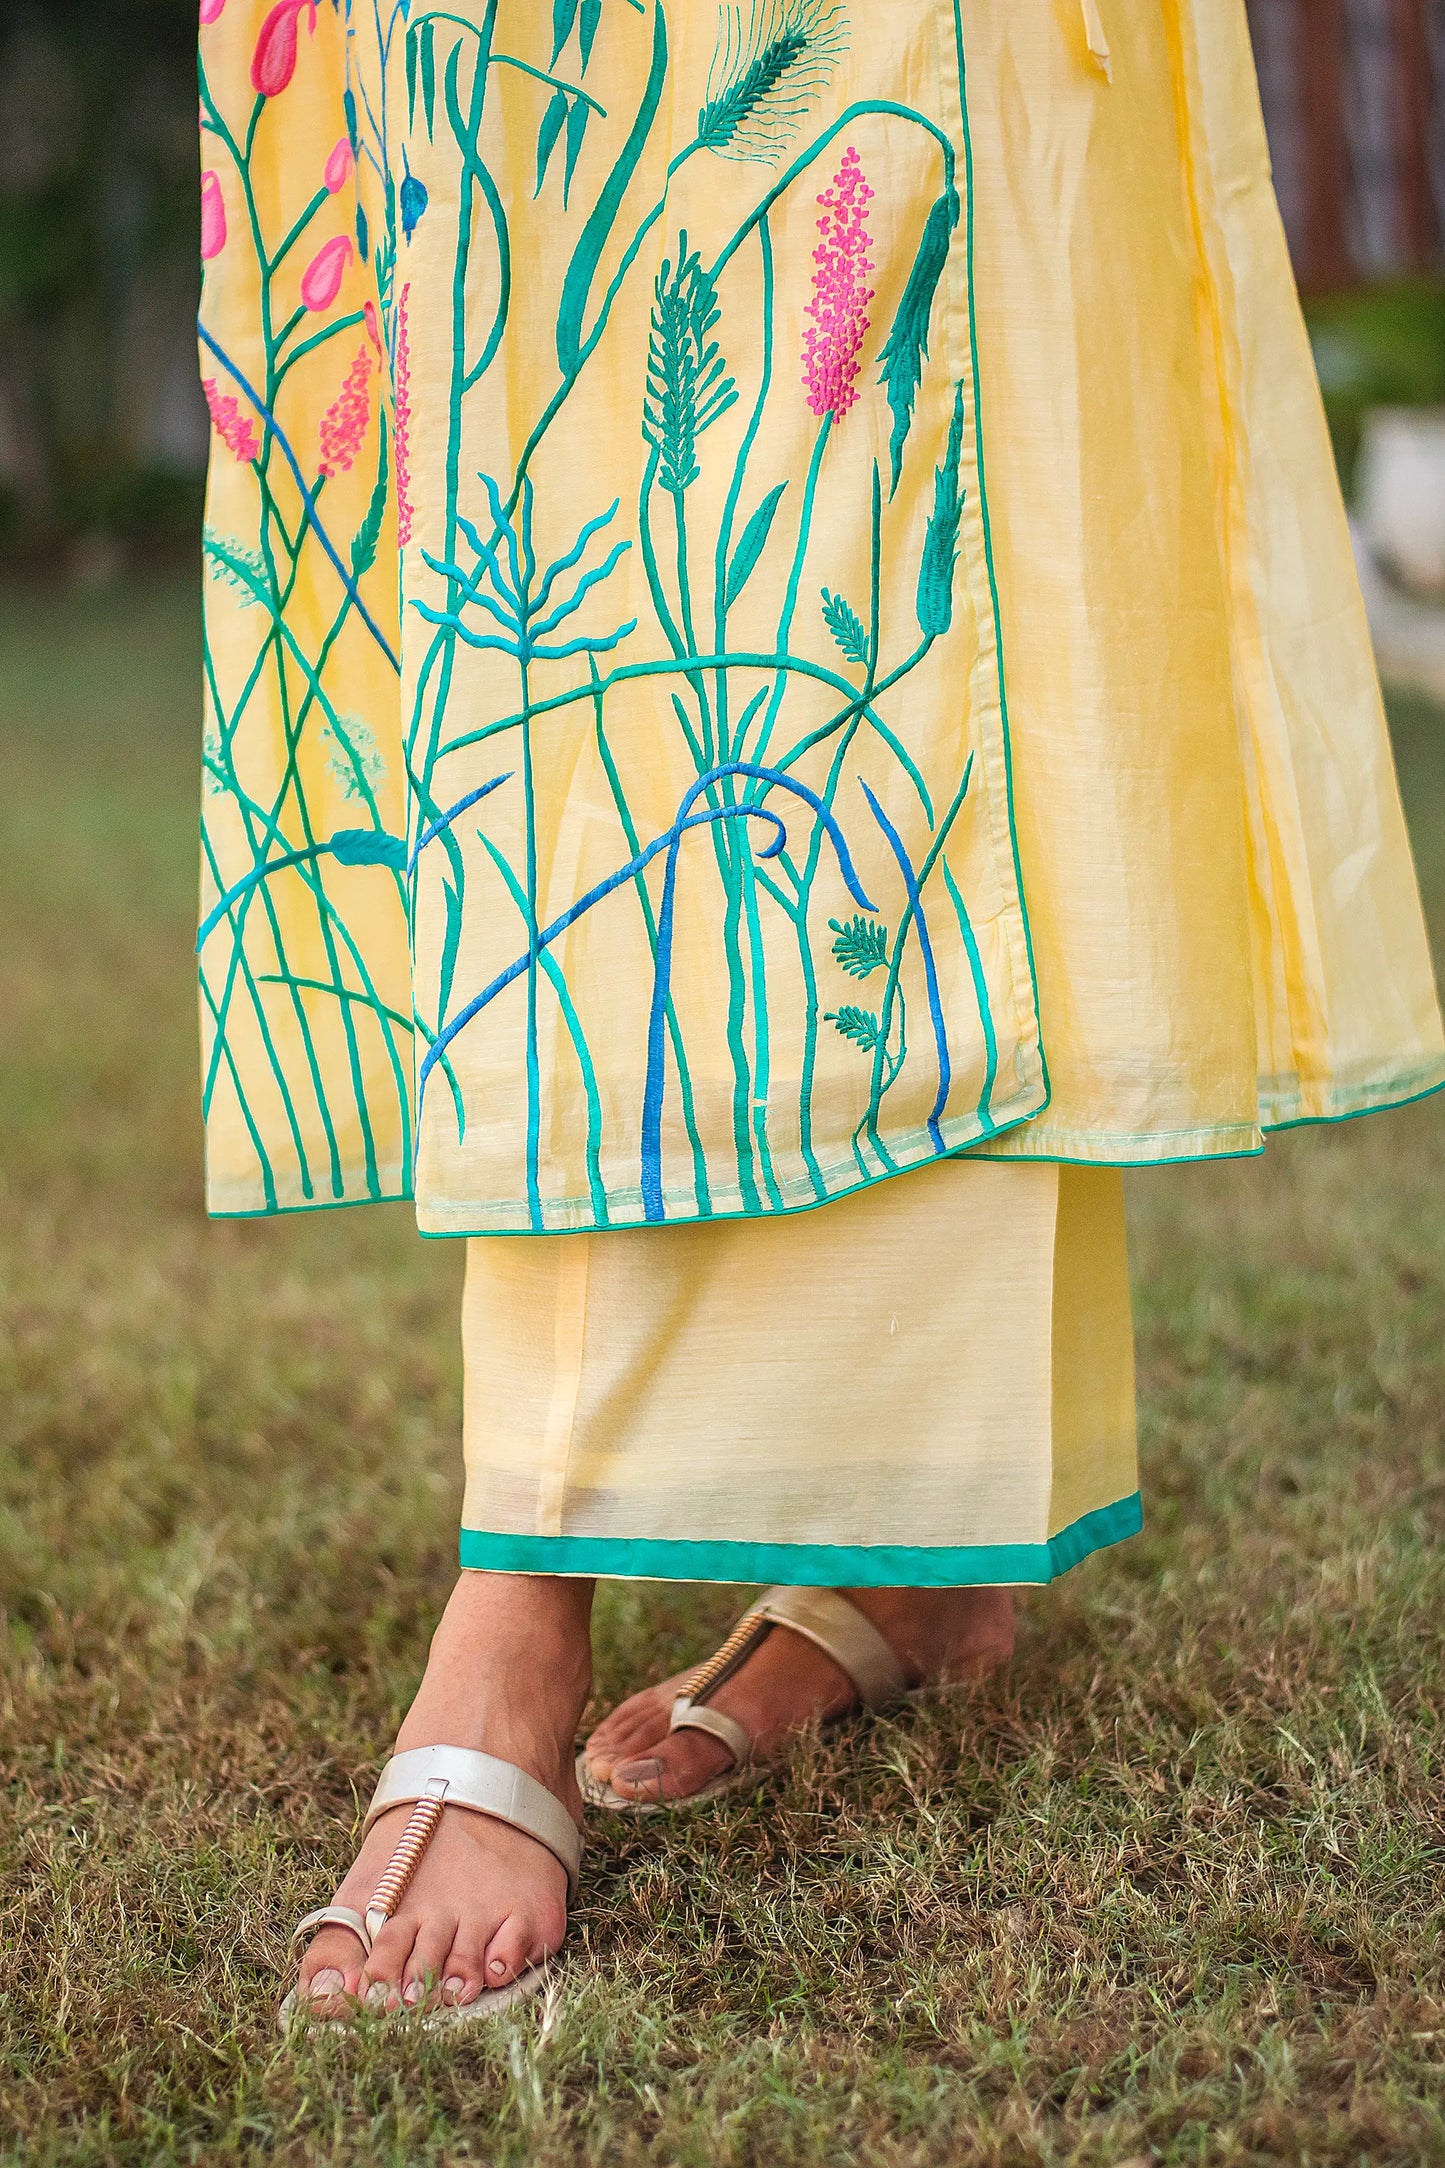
x: 688, y: 1715
x: 332, y: 1916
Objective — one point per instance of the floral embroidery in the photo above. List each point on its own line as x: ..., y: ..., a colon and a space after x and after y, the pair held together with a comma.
x: 833, y: 346
x: 274, y: 62
x: 355, y: 763
x: 662, y: 642
x: 401, y: 381
x: 321, y: 280
x: 236, y: 430
x: 213, y: 217
x: 347, y: 419
x: 339, y: 167
x: 765, y: 76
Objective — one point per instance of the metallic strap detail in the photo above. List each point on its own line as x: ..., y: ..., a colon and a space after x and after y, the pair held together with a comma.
x: 420, y: 1829
x: 821, y: 1616
x: 751, y: 1628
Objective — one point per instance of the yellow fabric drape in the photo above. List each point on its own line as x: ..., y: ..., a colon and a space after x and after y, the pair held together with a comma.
x: 1003, y: 537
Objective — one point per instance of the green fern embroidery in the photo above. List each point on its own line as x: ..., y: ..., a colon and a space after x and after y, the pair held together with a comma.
x: 764, y: 78
x: 861, y: 947
x: 240, y: 568
x: 354, y: 761
x: 858, y: 1025
x: 688, y: 386
x: 846, y: 626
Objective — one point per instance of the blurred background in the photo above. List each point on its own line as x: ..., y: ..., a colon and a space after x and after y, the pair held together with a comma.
x: 102, y: 427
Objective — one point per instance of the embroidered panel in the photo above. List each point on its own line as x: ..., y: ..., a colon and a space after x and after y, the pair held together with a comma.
x: 608, y: 811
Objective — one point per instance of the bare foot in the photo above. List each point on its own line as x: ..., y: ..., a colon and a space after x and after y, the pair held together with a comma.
x: 788, y: 1683
x: 509, y: 1673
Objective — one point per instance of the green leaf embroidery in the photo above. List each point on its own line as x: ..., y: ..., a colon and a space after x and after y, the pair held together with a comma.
x: 368, y: 534
x: 858, y: 1025
x: 753, y: 543
x: 564, y: 14
x: 861, y: 947
x: 243, y: 569
x: 688, y: 386
x: 548, y: 133
x: 846, y: 626
x: 577, y: 120
x: 907, y: 346
x: 940, y: 545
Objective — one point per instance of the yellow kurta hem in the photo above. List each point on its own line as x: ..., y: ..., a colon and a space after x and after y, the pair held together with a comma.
x: 777, y: 609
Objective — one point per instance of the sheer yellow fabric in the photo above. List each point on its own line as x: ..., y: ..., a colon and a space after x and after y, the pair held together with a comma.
x: 931, y: 1382
x: 875, y: 668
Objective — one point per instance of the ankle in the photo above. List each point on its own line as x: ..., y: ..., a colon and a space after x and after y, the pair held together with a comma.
x: 942, y: 1633
x: 510, y: 1667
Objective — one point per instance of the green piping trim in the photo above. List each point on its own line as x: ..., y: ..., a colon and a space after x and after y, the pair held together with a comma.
x: 808, y: 1565
x: 1001, y: 1157
x: 1005, y: 727
x: 1355, y: 1114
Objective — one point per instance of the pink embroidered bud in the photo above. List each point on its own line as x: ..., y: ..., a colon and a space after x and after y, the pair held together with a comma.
x: 833, y: 344
x: 401, y: 383
x: 373, y: 324
x: 345, y: 422
x: 274, y: 61
x: 211, y: 10
x: 321, y: 280
x: 213, y: 216
x: 236, y: 430
x: 338, y: 167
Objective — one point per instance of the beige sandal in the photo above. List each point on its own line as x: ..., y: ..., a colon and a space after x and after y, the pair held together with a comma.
x: 820, y: 1615
x: 434, y: 1778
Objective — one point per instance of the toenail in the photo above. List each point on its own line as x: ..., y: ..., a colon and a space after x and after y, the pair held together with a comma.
x: 496, y: 1965
x: 454, y: 1988
x: 376, y: 1995
x: 413, y: 1991
x: 328, y: 1982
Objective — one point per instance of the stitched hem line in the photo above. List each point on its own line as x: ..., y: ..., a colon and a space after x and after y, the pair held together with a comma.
x: 808, y: 1565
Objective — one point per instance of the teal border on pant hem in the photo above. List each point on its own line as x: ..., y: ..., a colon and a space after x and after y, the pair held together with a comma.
x: 808, y: 1565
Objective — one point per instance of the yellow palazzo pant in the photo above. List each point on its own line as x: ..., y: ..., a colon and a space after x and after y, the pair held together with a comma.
x: 931, y: 1382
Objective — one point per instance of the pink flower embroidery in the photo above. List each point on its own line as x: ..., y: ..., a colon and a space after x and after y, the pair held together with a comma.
x: 401, y: 380
x: 321, y: 280
x: 338, y: 168
x: 274, y: 61
x: 236, y: 430
x: 373, y: 324
x: 211, y: 10
x: 833, y: 345
x: 213, y: 216
x: 345, y: 422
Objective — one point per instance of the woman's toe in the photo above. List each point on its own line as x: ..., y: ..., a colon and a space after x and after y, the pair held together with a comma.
x: 509, y: 1952
x: 381, y: 1976
x: 464, y: 1973
x: 674, y: 1767
x: 331, y: 1968
x: 640, y: 1718
x: 422, y: 1976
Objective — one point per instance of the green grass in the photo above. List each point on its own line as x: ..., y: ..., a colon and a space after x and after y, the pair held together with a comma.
x: 1377, y: 346
x: 1171, y: 1890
